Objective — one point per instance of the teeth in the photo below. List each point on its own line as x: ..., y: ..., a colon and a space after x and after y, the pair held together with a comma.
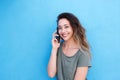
x: 64, y: 35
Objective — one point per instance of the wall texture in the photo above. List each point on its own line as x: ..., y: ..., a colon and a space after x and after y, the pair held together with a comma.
x: 26, y: 27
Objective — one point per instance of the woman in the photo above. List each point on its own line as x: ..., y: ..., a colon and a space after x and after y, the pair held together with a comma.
x: 70, y: 59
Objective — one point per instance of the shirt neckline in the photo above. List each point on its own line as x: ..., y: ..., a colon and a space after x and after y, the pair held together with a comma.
x: 69, y: 56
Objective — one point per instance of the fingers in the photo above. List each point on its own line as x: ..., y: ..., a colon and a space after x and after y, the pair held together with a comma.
x: 55, y: 42
x: 54, y: 39
x: 54, y: 34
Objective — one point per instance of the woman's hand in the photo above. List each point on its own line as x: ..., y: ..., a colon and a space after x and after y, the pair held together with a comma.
x: 55, y: 43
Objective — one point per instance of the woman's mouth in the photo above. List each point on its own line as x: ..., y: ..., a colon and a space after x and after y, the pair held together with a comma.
x: 64, y: 35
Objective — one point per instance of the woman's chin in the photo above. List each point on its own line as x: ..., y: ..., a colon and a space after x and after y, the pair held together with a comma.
x: 65, y: 39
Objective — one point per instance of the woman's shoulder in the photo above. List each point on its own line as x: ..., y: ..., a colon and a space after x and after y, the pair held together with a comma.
x: 84, y: 59
x: 84, y: 53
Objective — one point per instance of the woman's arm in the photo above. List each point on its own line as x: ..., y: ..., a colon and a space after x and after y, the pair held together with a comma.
x: 81, y: 73
x: 52, y: 63
x: 53, y: 58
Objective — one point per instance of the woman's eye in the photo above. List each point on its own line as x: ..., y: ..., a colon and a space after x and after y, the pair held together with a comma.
x: 66, y: 26
x: 59, y: 28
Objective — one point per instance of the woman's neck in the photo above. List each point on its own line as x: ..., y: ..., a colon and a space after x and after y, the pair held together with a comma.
x: 71, y: 44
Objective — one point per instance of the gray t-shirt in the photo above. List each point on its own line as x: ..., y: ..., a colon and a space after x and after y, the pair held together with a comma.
x: 66, y: 66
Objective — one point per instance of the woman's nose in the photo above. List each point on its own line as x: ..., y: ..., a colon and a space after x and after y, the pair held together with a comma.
x: 63, y: 30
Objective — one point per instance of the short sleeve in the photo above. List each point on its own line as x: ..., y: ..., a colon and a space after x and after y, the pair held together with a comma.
x: 84, y: 60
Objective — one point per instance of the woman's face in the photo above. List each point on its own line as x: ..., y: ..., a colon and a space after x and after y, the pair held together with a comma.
x: 65, y: 29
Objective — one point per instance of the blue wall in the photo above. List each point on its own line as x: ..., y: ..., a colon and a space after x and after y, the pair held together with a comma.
x: 26, y: 27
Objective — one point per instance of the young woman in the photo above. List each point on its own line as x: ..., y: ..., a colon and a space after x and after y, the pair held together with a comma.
x: 70, y: 59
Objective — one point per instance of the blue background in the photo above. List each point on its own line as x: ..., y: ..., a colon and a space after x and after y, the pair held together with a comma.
x: 26, y: 27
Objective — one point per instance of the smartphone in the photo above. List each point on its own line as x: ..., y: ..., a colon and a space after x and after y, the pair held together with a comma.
x: 58, y: 37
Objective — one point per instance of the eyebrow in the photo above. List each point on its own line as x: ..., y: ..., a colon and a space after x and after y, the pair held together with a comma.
x: 63, y: 25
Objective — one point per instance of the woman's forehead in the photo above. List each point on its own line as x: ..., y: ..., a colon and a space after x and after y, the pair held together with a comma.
x: 63, y: 22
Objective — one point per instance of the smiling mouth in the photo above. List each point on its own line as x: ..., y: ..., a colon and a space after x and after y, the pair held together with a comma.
x: 64, y: 35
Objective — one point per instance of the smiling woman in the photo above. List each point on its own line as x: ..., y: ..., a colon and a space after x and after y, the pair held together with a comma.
x: 70, y: 59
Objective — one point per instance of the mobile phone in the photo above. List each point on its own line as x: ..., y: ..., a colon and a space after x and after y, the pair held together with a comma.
x: 58, y: 37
